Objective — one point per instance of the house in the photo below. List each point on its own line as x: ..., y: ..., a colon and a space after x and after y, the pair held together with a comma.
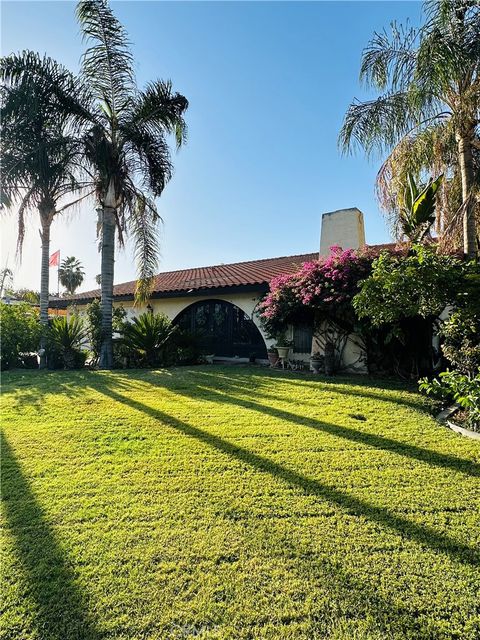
x: 219, y: 302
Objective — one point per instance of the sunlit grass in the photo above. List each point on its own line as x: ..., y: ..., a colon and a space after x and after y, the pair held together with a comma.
x: 234, y: 503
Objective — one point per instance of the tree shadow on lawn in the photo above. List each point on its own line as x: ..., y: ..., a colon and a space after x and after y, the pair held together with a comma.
x: 388, y: 390
x: 60, y: 610
x: 373, y: 440
x: 424, y: 535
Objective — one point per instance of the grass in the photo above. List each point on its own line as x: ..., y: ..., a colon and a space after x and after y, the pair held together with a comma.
x: 234, y: 503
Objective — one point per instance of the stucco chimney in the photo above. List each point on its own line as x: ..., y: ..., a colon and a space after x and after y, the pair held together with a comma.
x: 344, y: 228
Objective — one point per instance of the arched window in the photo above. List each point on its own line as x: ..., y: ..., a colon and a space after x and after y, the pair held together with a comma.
x: 223, y: 329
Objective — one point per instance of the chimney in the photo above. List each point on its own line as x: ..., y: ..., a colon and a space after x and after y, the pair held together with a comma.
x: 344, y: 228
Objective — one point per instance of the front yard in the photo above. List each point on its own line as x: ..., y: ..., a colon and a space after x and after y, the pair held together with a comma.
x: 234, y: 503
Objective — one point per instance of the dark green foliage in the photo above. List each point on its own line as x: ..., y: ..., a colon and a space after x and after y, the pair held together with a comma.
x: 453, y: 386
x: 420, y: 284
x: 20, y: 333
x: 186, y: 347
x: 461, y: 340
x: 400, y: 302
x: 66, y: 337
x: 94, y: 326
x: 147, y: 337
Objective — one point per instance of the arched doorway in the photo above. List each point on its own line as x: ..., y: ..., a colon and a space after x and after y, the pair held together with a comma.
x: 223, y: 329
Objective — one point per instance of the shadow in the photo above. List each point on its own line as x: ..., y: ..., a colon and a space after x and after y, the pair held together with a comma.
x: 424, y: 535
x: 60, y: 610
x: 388, y: 390
x: 376, y: 441
x: 32, y: 388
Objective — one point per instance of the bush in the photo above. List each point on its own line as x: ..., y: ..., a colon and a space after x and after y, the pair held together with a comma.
x: 185, y: 347
x: 453, y: 386
x: 20, y: 333
x: 147, y: 337
x: 461, y: 340
x: 66, y: 336
x: 401, y: 300
x: 94, y: 327
x: 420, y: 284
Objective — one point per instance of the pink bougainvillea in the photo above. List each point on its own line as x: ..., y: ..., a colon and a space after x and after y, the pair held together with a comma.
x: 320, y: 288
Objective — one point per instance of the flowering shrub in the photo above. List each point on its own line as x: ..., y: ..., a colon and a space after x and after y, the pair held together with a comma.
x: 321, y: 289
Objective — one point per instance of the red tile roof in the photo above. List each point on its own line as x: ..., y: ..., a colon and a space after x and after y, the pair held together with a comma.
x: 253, y: 272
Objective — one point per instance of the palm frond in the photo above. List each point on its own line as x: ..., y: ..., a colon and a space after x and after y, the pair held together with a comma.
x: 147, y: 156
x: 161, y: 111
x: 389, y: 60
x: 378, y: 124
x: 32, y: 75
x: 143, y: 227
x: 107, y: 64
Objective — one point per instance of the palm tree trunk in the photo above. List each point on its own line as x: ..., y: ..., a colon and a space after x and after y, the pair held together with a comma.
x: 468, y: 177
x: 46, y: 218
x: 106, y: 303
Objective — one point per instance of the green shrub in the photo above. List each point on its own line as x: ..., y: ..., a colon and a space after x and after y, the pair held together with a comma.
x: 65, y: 338
x: 185, y: 347
x: 461, y: 344
x: 147, y: 338
x: 94, y: 327
x: 454, y: 386
x: 20, y: 335
x: 420, y: 284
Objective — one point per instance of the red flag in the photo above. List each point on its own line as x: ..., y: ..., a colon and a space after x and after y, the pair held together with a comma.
x: 54, y: 259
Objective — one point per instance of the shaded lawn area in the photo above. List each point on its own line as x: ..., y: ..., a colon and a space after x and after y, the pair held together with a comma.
x: 234, y: 503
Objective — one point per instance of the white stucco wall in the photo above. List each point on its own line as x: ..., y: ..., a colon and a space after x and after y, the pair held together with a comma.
x: 171, y: 307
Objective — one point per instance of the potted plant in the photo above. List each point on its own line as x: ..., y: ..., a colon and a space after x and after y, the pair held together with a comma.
x: 283, y: 346
x: 272, y: 355
x: 317, y: 362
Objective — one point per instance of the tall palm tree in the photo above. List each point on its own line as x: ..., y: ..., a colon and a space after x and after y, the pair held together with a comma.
x: 427, y: 116
x: 126, y: 149
x: 39, y: 153
x: 71, y: 274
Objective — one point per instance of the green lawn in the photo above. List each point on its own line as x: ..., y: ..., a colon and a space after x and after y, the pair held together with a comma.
x: 234, y: 503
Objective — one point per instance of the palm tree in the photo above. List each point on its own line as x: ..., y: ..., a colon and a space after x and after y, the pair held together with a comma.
x: 427, y: 116
x: 71, y: 274
x: 126, y: 149
x: 39, y: 153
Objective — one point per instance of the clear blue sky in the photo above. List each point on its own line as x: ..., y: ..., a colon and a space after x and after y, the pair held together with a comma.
x: 268, y: 85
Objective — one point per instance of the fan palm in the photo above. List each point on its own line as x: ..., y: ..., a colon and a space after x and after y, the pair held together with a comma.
x: 71, y: 274
x: 427, y: 116
x: 39, y: 150
x: 127, y: 151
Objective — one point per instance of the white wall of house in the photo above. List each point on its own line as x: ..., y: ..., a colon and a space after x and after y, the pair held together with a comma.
x: 171, y: 307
